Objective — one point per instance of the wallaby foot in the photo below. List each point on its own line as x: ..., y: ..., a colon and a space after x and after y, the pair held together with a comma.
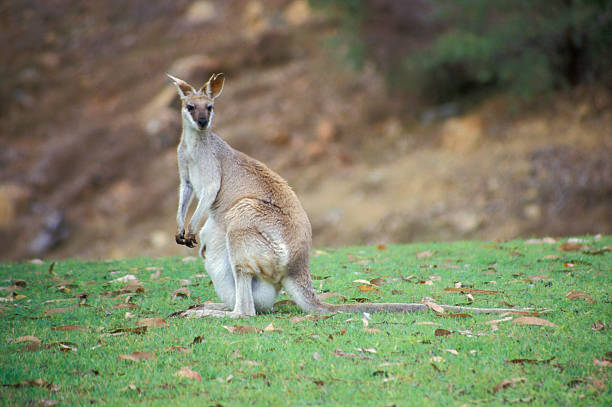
x: 202, y: 310
x: 189, y: 240
x: 208, y: 310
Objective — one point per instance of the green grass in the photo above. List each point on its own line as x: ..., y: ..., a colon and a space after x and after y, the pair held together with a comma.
x: 277, y: 368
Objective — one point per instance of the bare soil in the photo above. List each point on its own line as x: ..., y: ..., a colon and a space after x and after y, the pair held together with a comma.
x: 90, y: 125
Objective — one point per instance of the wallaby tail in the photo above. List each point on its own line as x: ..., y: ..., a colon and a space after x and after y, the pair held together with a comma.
x: 299, y: 287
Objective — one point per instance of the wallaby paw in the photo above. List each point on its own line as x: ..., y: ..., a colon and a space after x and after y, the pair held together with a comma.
x: 190, y: 240
x: 180, y: 237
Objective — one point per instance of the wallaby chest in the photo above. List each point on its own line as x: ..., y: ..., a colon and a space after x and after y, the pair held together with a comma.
x: 199, y: 165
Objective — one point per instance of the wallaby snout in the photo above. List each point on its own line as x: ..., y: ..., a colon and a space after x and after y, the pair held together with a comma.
x: 202, y: 123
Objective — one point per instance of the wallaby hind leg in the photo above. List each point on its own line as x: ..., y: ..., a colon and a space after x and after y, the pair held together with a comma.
x: 217, y: 262
x: 252, y: 259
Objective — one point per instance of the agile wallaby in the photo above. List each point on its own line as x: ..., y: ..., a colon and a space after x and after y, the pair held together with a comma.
x: 257, y: 236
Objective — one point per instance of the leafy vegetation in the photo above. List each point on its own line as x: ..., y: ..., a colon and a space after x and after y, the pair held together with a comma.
x: 81, y: 332
x: 525, y: 47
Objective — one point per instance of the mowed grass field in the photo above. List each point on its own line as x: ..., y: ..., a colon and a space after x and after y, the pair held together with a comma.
x: 81, y: 332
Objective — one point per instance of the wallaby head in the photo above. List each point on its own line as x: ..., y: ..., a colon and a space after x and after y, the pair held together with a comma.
x: 197, y: 105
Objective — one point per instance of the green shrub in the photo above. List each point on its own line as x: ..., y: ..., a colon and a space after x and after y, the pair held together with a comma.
x: 522, y: 46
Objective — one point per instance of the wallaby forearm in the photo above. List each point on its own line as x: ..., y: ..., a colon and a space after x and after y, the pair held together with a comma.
x: 185, y: 198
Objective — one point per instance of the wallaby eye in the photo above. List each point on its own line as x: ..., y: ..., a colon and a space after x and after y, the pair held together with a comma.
x: 209, y: 107
x: 190, y: 107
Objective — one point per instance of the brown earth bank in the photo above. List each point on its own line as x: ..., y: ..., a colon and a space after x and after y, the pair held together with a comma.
x: 90, y: 126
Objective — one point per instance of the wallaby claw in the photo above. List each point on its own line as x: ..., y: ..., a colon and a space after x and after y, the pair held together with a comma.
x: 190, y: 240
x: 180, y: 238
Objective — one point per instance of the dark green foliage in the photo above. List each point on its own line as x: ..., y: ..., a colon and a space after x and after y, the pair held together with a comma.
x: 522, y: 46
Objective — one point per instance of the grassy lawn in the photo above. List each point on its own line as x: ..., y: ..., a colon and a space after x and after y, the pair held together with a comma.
x: 70, y: 333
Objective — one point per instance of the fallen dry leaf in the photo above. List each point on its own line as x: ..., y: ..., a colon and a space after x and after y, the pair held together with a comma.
x: 434, y: 307
x: 546, y: 240
x: 598, y: 326
x: 381, y: 246
x: 32, y: 342
x: 602, y: 362
x: 47, y: 403
x: 533, y: 321
x: 316, y: 356
x: 340, y: 353
x: 530, y: 361
x: 365, y: 288
x: 183, y: 292
x: 35, y: 383
x: 571, y: 247
x: 187, y: 373
x: 124, y: 279
x: 453, y: 351
x: 62, y: 346
x: 242, y: 329
x: 573, y: 294
x: 133, y: 387
x: 141, y: 330
x: 424, y: 254
x: 472, y: 290
x: 442, y: 332
x: 137, y: 356
x: 367, y: 350
x: 378, y: 281
x: 437, y: 359
x: 69, y: 328
x: 508, y: 382
x: 152, y: 322
x: 271, y: 328
x: 26, y: 338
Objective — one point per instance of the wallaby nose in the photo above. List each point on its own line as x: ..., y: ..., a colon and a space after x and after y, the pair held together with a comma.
x: 202, y: 122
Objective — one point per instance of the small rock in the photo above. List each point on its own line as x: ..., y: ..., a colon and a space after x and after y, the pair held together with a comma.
x: 49, y: 60
x: 279, y: 137
x: 533, y: 211
x: 201, y: 12
x: 55, y: 231
x: 12, y: 197
x: 159, y: 239
x: 465, y: 221
x: 462, y: 134
x: 326, y: 131
x: 298, y: 12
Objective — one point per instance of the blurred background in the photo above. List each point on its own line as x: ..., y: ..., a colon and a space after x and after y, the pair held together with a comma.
x: 393, y: 120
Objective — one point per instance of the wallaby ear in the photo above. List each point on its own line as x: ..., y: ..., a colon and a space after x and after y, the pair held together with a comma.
x: 183, y: 87
x: 214, y: 86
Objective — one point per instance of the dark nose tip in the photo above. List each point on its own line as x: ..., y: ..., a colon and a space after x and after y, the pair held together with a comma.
x: 202, y: 122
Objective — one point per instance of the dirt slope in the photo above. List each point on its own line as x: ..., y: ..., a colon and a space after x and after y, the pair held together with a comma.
x: 89, y: 129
